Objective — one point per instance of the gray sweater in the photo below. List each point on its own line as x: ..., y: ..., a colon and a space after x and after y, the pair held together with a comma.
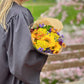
x: 20, y: 63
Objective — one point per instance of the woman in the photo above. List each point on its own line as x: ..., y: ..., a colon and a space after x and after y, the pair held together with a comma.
x: 20, y: 63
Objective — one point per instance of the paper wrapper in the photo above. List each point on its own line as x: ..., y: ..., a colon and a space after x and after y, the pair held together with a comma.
x: 55, y: 23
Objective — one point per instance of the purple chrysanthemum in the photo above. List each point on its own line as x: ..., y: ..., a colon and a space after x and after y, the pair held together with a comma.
x: 50, y: 30
x: 62, y: 36
x: 58, y: 33
x: 41, y: 25
x: 41, y: 49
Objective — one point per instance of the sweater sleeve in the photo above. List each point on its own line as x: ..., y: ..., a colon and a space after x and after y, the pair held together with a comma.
x: 24, y: 61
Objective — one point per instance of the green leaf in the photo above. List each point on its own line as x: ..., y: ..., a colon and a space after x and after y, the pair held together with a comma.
x: 54, y: 82
x: 46, y: 80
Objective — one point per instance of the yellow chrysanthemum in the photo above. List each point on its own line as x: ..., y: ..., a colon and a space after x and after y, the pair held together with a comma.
x: 44, y: 31
x: 33, y: 35
x: 52, y: 43
x: 57, y: 46
x: 49, y: 39
x: 55, y: 52
x: 54, y: 35
x: 46, y: 38
x: 39, y: 33
x: 42, y: 44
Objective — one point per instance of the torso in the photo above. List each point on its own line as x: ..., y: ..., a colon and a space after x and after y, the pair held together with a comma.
x: 5, y: 76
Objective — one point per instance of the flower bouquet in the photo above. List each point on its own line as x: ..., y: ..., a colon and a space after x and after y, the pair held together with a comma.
x: 46, y: 37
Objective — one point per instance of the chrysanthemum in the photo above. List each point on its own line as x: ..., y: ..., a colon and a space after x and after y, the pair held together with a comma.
x: 57, y: 46
x: 46, y: 38
x: 63, y: 45
x: 54, y: 35
x: 52, y: 43
x: 53, y: 30
x: 35, y: 31
x: 33, y: 35
x: 40, y: 33
x: 49, y: 39
x: 42, y: 30
x: 42, y: 44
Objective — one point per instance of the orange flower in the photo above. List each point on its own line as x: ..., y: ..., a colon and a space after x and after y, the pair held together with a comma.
x: 41, y: 34
x: 47, y: 39
x: 35, y: 32
x: 55, y: 52
x: 34, y: 43
x: 33, y: 35
x: 52, y: 48
x: 38, y: 37
x: 63, y: 44
x: 53, y: 30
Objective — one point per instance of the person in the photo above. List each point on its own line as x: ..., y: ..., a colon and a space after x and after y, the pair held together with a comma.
x: 20, y: 62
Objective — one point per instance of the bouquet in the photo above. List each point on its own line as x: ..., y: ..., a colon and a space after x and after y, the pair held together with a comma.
x: 46, y: 37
